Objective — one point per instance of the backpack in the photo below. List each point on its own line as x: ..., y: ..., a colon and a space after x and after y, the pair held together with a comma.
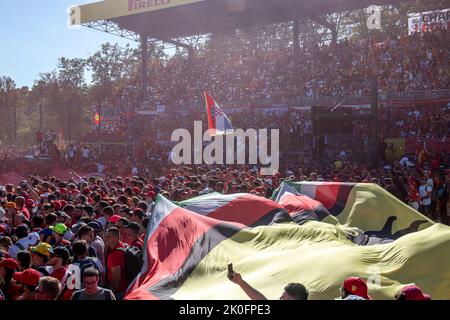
x: 133, y: 262
x: 85, y: 264
x: 20, y: 246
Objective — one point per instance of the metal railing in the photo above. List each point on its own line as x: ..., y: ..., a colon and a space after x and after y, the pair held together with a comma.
x: 431, y: 95
x: 355, y: 100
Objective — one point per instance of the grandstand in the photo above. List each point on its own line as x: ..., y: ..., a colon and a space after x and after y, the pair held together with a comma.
x: 168, y: 21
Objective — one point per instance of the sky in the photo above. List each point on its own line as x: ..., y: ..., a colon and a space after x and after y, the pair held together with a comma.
x: 34, y: 34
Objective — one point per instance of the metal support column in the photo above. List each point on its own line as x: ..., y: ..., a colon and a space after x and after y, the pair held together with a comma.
x: 374, y: 127
x: 99, y: 117
x: 296, y: 44
x: 40, y: 116
x: 69, y: 118
x: 144, y: 58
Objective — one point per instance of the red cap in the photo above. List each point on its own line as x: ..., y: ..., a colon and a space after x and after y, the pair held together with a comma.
x: 63, y: 203
x: 114, y: 218
x: 9, y: 264
x: 136, y: 190
x: 29, y: 277
x: 86, y: 191
x: 259, y: 189
x: 357, y: 287
x: 2, y: 228
x: 30, y: 203
x: 57, y: 205
x: 151, y: 194
x: 413, y: 292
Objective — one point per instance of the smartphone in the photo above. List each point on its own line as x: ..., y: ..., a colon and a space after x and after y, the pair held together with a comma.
x: 230, y: 270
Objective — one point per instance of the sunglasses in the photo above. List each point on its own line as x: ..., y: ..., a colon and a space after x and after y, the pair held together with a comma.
x: 38, y: 291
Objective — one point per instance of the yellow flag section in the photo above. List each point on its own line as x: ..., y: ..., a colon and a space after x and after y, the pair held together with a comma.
x: 366, y: 206
x: 319, y: 256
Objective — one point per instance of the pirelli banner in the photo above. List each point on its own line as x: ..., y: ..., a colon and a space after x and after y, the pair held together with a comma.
x: 109, y: 9
x: 428, y: 21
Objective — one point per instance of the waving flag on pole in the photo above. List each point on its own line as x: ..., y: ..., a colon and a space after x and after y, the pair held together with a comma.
x: 97, y: 118
x: 218, y: 122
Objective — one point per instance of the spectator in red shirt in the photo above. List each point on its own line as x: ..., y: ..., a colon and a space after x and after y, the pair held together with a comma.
x: 20, y: 203
x: 58, y: 259
x: 413, y: 193
x: 7, y: 268
x: 115, y: 262
x: 133, y: 231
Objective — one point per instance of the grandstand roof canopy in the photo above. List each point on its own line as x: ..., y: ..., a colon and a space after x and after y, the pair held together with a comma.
x: 169, y: 19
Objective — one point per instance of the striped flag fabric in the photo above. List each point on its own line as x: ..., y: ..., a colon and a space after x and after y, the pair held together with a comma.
x: 189, y: 244
x: 218, y: 122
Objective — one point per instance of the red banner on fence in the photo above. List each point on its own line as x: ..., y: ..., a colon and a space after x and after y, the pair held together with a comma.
x: 432, y: 145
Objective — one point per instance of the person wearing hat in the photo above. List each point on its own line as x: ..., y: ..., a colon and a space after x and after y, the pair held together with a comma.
x: 113, y: 220
x: 76, y: 228
x: 133, y: 231
x: 59, y: 259
x: 411, y: 292
x: 28, y: 281
x: 40, y: 255
x: 137, y: 217
x: 47, y: 234
x: 121, y: 224
x: 354, y: 288
x: 88, y: 212
x: 22, y: 243
x: 7, y: 268
x: 59, y: 231
x: 64, y: 218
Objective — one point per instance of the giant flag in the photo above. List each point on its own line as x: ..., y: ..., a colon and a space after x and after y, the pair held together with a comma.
x: 313, y: 233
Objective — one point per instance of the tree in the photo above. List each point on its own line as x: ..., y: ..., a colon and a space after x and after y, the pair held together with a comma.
x: 8, y: 105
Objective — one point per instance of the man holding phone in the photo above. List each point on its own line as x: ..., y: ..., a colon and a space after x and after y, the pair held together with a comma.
x: 293, y: 291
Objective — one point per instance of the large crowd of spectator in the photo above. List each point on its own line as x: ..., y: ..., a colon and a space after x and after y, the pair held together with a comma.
x: 243, y: 75
x: 74, y: 239
x: 77, y: 239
